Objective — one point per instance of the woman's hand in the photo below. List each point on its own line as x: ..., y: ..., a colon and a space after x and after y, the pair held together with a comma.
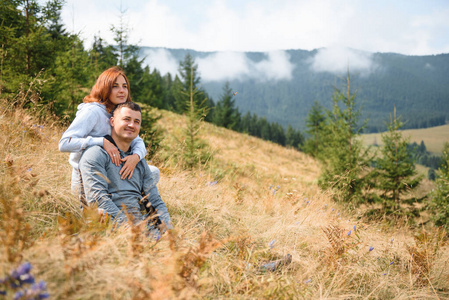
x: 112, y: 151
x: 131, y: 162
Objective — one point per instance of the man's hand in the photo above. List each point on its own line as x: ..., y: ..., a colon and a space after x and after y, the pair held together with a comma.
x: 112, y: 151
x: 131, y: 162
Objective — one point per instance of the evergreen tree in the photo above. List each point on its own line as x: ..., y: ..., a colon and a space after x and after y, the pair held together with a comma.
x: 277, y: 134
x: 168, y: 92
x: 102, y: 57
x: 189, y: 79
x: 225, y: 113
x: 245, y: 123
x: 315, y: 123
x: 343, y: 155
x: 294, y: 138
x: 395, y: 169
x: 152, y: 89
x: 35, y: 46
x: 440, y: 195
x: 71, y: 74
x: 194, y: 151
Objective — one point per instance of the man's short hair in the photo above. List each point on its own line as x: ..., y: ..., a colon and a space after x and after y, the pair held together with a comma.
x: 130, y: 105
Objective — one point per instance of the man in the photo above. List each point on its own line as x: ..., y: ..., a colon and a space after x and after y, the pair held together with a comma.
x: 101, y: 178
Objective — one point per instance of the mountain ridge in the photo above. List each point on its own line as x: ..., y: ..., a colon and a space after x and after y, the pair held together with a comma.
x: 417, y: 85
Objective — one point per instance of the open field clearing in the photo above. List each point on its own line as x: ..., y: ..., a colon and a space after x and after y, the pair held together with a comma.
x: 434, y: 138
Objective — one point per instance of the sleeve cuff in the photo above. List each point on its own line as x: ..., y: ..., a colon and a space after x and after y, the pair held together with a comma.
x: 97, y: 141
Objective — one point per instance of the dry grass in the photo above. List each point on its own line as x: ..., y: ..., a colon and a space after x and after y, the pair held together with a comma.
x: 264, y: 205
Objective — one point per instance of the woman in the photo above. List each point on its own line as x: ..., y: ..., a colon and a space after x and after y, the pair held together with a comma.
x: 91, y: 124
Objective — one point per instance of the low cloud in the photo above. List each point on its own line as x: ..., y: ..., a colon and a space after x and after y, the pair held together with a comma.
x: 162, y: 60
x: 223, y: 66
x: 338, y: 60
x: 277, y: 66
x: 229, y: 65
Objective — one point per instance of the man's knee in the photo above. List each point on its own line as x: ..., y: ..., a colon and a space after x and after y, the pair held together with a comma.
x: 155, y: 173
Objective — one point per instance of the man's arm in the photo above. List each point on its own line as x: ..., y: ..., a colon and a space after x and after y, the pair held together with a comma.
x: 93, y: 172
x: 151, y: 192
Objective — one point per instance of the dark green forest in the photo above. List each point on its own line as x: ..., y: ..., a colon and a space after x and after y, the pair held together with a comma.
x: 417, y: 85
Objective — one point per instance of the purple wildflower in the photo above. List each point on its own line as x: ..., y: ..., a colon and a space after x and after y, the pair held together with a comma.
x: 41, y: 285
x: 349, y: 233
x: 371, y: 248
x: 355, y: 228
x: 27, y: 278
x: 307, y: 281
x: 18, y: 295
x: 391, y: 263
x: 271, y: 244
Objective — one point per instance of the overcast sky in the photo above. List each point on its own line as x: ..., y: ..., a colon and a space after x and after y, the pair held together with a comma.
x: 412, y: 27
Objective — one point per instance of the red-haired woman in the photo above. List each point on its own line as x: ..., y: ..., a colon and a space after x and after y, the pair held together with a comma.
x: 91, y: 124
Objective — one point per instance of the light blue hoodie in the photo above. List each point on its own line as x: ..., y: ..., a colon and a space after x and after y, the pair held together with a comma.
x: 91, y: 124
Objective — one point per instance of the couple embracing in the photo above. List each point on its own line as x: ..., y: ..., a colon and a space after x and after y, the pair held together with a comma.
x: 108, y: 156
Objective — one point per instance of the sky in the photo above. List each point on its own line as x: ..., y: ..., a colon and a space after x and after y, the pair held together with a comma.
x: 336, y: 27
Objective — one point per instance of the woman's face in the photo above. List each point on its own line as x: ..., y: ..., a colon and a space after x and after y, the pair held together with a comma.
x: 119, y: 92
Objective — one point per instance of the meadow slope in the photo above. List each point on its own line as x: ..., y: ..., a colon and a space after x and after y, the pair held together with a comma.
x: 253, y: 202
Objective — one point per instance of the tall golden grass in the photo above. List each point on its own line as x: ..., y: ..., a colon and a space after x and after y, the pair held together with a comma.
x: 254, y: 202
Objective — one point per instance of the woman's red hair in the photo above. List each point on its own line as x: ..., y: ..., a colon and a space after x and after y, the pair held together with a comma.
x: 102, y: 88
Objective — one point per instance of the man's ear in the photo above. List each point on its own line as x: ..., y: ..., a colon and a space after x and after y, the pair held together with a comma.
x: 111, y: 121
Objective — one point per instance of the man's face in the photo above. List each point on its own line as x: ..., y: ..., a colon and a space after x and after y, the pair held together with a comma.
x: 126, y: 124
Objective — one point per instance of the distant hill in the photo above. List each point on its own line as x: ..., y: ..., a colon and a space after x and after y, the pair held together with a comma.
x: 417, y: 85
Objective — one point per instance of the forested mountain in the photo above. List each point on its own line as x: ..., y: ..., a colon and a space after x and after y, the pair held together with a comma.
x: 417, y: 85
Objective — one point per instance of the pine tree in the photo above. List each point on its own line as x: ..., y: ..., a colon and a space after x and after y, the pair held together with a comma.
x: 315, y: 124
x: 343, y: 155
x: 225, y: 113
x: 189, y: 79
x: 294, y: 138
x: 396, y: 173
x: 440, y: 195
x: 194, y: 151
x: 102, y: 56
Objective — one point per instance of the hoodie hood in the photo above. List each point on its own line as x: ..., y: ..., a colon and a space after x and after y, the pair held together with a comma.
x: 84, y: 106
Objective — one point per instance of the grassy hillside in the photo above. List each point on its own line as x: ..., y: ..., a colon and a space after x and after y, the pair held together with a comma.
x: 433, y: 137
x: 254, y: 202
